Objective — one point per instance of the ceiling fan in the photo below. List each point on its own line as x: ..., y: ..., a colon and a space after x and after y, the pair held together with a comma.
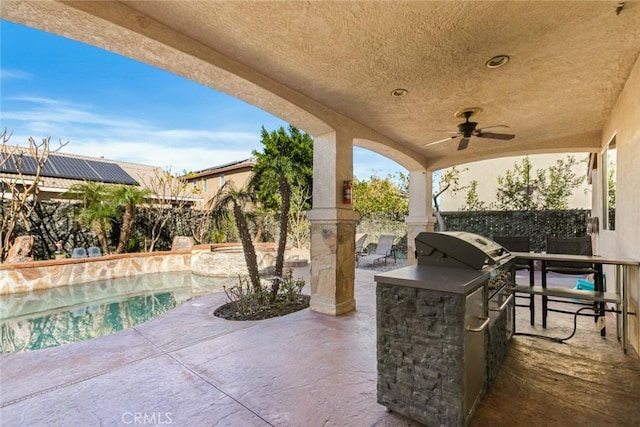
x: 468, y: 129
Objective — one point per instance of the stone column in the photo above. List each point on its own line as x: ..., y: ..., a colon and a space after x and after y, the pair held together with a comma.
x: 420, y: 209
x: 333, y: 226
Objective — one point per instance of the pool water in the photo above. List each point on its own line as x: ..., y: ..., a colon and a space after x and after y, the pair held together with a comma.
x: 53, y: 317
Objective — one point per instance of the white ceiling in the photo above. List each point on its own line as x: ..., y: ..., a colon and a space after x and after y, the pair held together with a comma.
x: 324, y: 64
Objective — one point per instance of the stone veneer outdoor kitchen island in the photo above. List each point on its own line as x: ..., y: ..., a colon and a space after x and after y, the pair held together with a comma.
x: 436, y: 356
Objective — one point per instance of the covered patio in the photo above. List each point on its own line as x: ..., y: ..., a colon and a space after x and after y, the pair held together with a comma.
x: 189, y: 368
x: 394, y: 78
x: 560, y: 76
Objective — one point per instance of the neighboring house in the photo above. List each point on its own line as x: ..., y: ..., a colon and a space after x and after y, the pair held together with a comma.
x: 63, y: 170
x: 486, y: 172
x: 208, y: 181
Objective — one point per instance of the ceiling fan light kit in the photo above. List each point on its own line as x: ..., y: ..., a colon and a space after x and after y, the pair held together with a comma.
x: 497, y: 61
x: 399, y: 92
x: 471, y: 111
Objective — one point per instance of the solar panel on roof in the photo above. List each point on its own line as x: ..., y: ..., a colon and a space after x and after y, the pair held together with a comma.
x: 26, y: 164
x: 58, y: 166
x: 67, y: 167
x: 111, y: 172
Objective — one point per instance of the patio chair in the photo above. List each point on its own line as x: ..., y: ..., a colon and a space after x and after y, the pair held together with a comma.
x: 94, y: 251
x: 521, y: 244
x: 570, y: 246
x: 79, y: 253
x: 360, y: 239
x: 384, y: 249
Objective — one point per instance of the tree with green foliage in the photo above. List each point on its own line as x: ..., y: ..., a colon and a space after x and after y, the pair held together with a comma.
x: 96, y: 209
x: 129, y: 197
x: 517, y: 189
x: 381, y: 195
x: 298, y: 224
x: 450, y: 179
x: 558, y: 182
x: 611, y: 186
x: 472, y: 202
x: 231, y: 203
x: 286, y: 161
x: 523, y: 189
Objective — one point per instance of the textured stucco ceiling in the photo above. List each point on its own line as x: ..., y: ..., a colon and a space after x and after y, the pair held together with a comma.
x: 321, y: 65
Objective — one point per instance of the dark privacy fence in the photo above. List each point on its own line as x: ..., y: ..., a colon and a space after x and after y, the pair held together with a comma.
x: 53, y: 221
x: 535, y: 224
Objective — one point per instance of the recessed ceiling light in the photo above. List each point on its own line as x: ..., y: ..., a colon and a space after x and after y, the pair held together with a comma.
x: 497, y: 61
x: 399, y: 92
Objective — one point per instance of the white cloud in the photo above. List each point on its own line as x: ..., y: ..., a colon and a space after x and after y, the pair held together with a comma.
x: 14, y: 75
x: 208, y: 136
x: 61, y: 114
x: 178, y: 159
x: 121, y: 138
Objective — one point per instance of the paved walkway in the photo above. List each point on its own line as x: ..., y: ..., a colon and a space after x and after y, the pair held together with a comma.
x: 189, y: 368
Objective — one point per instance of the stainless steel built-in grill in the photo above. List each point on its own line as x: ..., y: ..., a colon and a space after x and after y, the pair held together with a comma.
x: 460, y: 249
x: 486, y: 307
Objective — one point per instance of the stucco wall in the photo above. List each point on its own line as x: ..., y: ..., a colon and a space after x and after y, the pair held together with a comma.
x: 624, y: 124
x: 486, y: 172
x: 239, y: 177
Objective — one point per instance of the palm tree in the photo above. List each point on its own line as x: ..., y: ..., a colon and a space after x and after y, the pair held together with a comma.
x: 285, y: 160
x: 97, y: 209
x: 229, y: 201
x: 130, y: 197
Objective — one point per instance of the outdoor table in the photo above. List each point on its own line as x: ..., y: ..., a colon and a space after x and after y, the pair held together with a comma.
x: 598, y: 295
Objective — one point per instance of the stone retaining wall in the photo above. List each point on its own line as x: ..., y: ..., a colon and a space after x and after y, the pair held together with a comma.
x: 37, y: 275
x: 227, y: 260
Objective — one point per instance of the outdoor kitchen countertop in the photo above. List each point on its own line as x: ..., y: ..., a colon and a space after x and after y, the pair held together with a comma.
x: 443, y: 279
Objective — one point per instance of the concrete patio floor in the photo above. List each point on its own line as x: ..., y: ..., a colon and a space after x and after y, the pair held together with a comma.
x: 189, y: 368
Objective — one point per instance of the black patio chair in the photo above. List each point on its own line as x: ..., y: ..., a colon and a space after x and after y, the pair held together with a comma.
x: 521, y: 244
x: 570, y: 246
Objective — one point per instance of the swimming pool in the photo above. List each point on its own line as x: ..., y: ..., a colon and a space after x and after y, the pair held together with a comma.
x: 57, y: 316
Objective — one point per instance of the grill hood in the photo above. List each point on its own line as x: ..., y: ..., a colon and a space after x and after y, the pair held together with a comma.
x: 458, y: 249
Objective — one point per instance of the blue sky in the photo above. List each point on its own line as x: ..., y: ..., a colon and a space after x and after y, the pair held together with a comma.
x: 111, y: 106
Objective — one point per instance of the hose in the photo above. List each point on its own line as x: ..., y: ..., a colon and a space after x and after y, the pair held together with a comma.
x: 554, y: 339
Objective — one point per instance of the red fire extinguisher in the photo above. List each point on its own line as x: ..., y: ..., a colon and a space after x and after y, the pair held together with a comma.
x: 346, y: 192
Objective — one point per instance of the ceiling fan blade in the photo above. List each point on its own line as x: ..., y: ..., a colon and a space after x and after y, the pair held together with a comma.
x: 442, y: 140
x: 502, y: 136
x: 464, y: 143
x: 492, y: 127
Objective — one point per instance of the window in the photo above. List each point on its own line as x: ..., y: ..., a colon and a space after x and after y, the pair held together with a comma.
x: 609, y: 161
x: 204, y: 184
x: 221, y: 180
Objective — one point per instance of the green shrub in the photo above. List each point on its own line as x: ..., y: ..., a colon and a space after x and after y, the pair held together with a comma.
x: 249, y: 303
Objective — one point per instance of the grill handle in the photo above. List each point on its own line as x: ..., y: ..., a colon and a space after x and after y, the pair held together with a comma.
x: 481, y: 327
x: 504, y: 305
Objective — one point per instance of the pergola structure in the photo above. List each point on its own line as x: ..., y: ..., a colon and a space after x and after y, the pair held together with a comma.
x: 389, y: 77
